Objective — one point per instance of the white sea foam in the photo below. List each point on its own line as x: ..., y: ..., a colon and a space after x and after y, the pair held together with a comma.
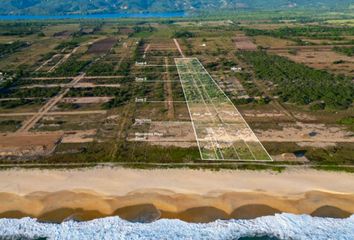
x: 283, y: 226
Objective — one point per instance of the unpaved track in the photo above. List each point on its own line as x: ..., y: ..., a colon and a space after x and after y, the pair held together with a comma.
x: 64, y: 59
x: 77, y: 113
x: 53, y: 113
x: 27, y: 125
x: 68, y: 78
x: 46, y: 62
x: 179, y: 47
x: 169, y: 93
x: 126, y: 116
x: 125, y: 54
x: 146, y: 50
x: 47, y: 78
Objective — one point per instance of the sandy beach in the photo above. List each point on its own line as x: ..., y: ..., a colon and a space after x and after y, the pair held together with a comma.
x: 191, y: 195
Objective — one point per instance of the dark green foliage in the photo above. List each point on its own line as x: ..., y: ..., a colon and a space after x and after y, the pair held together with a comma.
x: 30, y: 92
x: 9, y: 122
x: 349, y: 122
x: 94, y: 92
x: 101, y: 69
x: 137, y: 56
x: 300, y: 84
x: 124, y: 69
x: 16, y: 103
x: 183, y: 34
x: 68, y: 45
x: 142, y: 29
x: 146, y: 153
x: 242, y: 101
x: 9, y: 125
x: 71, y: 67
x: 342, y: 154
x: 68, y: 106
x: 9, y: 48
x: 19, y: 28
x: 121, y: 97
x: 349, y: 51
x: 88, y: 28
x: 317, y: 106
x: 317, y: 32
x: 247, y: 82
x: 47, y: 56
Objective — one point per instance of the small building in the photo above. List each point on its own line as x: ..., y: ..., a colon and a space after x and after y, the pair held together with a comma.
x: 236, y: 69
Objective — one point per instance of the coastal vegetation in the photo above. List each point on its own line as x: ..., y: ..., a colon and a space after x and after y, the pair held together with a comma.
x: 348, y: 51
x: 297, y: 83
x: 130, y: 108
x: 9, y: 48
x: 314, y: 32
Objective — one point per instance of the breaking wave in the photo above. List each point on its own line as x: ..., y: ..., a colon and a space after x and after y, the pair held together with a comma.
x: 280, y: 226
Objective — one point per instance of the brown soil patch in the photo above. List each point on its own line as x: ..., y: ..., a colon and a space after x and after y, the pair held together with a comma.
x: 243, y: 42
x: 325, y: 59
x: 28, y: 144
x: 306, y: 133
x: 62, y: 34
x: 178, y: 134
x: 102, y: 46
x: 86, y: 100
x: 79, y: 136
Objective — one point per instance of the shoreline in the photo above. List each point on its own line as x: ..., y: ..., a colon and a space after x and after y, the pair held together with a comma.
x: 189, y: 195
x: 147, y: 207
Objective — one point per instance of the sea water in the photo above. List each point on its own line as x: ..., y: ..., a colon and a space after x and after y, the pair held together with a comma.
x: 280, y: 226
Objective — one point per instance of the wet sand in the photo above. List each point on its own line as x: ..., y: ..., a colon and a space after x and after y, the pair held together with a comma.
x: 190, y: 195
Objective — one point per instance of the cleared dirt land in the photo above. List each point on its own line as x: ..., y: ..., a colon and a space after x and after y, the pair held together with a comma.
x: 102, y: 46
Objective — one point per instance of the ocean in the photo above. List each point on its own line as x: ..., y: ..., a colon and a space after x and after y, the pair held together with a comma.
x: 93, y: 16
x: 280, y: 226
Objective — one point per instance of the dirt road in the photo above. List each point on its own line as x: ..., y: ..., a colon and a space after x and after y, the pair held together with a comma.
x: 179, y: 47
x: 27, y: 125
x: 64, y: 59
x: 169, y: 93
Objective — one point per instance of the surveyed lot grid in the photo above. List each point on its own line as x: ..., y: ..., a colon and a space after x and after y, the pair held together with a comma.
x: 221, y: 131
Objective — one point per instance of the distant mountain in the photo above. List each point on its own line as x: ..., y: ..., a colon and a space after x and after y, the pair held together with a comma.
x: 61, y: 7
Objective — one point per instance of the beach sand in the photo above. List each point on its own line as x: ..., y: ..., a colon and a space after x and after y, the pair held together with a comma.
x: 190, y: 195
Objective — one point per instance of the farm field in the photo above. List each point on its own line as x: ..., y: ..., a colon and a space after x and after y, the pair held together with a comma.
x: 184, y: 92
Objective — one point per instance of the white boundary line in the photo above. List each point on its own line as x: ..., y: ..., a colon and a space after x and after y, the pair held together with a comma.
x: 152, y: 101
x: 212, y: 139
x: 194, y: 83
x: 157, y: 81
x: 154, y: 65
x: 271, y: 159
x: 189, y: 111
x: 257, y: 160
x: 217, y: 112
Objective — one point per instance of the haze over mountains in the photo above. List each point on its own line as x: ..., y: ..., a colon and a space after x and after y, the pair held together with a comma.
x: 60, y: 7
